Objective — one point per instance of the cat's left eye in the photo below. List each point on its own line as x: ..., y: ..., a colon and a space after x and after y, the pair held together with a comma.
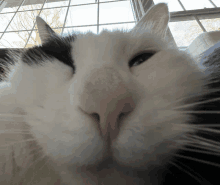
x: 139, y: 59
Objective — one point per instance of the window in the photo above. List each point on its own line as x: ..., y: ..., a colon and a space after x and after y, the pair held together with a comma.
x: 189, y: 18
x: 17, y: 19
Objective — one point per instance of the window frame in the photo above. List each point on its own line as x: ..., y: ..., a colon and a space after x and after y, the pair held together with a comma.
x: 141, y: 6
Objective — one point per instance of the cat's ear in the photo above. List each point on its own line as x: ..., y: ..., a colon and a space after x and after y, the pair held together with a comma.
x: 155, y: 20
x: 45, y: 31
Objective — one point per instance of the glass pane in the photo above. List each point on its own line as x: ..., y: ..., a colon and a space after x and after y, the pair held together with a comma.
x: 4, y: 20
x: 106, y: 0
x: 82, y: 15
x: 31, y: 6
x: 216, y: 2
x: 11, y: 8
x: 196, y: 4
x: 54, y: 17
x: 85, y: 29
x: 173, y: 5
x: 58, y: 31
x: 1, y: 46
x: 185, y: 32
x: 116, y: 12
x: 112, y: 27
x: 56, y: 4
x: 75, y: 2
x: 35, y: 39
x: 23, y: 21
x: 211, y: 24
x: 14, y: 40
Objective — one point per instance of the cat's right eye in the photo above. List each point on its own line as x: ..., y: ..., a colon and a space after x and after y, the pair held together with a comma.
x: 139, y: 59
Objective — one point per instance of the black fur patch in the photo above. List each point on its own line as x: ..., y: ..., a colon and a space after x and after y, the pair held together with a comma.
x: 55, y: 47
x: 5, y: 62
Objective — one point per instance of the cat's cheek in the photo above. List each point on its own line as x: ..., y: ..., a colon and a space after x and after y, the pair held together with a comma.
x: 149, y: 135
x: 73, y: 141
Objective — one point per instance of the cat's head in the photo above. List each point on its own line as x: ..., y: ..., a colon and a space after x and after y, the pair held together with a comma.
x: 110, y: 95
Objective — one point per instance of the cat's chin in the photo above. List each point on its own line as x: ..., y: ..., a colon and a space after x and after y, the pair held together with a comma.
x: 110, y: 169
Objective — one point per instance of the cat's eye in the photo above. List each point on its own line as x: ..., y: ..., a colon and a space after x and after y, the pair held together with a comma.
x: 139, y: 59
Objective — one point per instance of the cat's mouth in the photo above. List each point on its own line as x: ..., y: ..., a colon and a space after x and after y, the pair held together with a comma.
x: 109, y: 168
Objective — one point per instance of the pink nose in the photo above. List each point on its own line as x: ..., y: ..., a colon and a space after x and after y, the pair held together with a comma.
x: 105, y: 96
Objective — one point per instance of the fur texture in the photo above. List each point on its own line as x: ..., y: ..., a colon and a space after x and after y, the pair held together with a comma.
x: 76, y: 113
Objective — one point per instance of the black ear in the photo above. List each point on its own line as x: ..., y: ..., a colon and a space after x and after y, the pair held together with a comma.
x: 45, y: 31
x: 155, y: 21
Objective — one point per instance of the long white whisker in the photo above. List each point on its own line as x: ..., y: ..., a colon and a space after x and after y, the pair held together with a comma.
x: 199, y: 144
x: 197, y: 160
x: 12, y: 115
x: 199, y: 151
x: 15, y: 117
x: 200, y: 112
x: 204, y: 92
x: 15, y: 130
x: 207, y: 141
x: 196, y: 145
x: 44, y: 164
x: 174, y: 164
x: 34, y: 163
x: 207, y: 125
x: 15, y: 133
x: 197, y: 103
x: 22, y: 141
x: 208, y: 130
x: 196, y: 127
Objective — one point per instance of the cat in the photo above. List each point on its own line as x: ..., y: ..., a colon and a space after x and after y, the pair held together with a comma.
x: 120, y: 107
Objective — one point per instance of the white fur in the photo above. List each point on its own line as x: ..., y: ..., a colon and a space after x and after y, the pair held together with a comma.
x: 55, y: 101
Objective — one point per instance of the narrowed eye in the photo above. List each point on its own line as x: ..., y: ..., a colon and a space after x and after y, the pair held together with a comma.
x: 139, y: 59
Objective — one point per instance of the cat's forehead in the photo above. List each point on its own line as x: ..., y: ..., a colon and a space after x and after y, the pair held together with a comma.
x: 114, y: 45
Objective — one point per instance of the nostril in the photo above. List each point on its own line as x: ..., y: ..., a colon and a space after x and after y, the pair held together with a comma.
x: 121, y: 116
x: 96, y: 117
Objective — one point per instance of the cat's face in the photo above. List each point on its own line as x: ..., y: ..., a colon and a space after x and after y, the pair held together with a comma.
x: 110, y: 96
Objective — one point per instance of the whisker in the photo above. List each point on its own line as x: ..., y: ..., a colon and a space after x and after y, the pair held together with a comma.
x: 33, y: 163
x: 207, y: 141
x: 200, y: 151
x: 22, y: 141
x: 15, y: 133
x: 207, y: 125
x: 199, y: 128
x: 197, y: 160
x: 200, y: 112
x: 203, y: 147
x: 31, y: 155
x: 208, y: 130
x: 197, y: 103
x: 14, y: 119
x: 36, y: 162
x: 200, y: 145
x: 11, y: 117
x: 174, y: 164
x: 204, y: 92
x: 44, y: 164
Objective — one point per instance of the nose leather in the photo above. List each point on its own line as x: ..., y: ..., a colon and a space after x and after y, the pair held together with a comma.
x: 105, y: 93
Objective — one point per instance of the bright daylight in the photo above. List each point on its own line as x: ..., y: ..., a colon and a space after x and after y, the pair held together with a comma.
x: 18, y: 28
x: 80, y: 105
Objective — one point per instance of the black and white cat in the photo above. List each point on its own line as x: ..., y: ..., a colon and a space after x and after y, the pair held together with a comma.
x: 115, y: 108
